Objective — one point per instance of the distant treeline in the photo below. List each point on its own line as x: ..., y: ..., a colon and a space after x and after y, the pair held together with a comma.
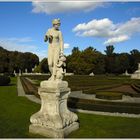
x: 91, y: 60
x: 79, y: 62
x: 14, y: 60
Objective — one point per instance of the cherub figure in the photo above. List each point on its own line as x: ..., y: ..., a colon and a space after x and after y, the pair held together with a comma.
x: 60, y: 65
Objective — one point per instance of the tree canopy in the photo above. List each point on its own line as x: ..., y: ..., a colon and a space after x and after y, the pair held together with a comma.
x: 90, y: 60
x: 14, y: 60
x: 79, y: 62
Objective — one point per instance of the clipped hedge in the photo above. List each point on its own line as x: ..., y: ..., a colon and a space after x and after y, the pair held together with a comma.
x: 104, y: 106
x: 37, y: 77
x: 4, y: 80
x: 136, y: 87
x: 108, y: 95
x: 89, y: 91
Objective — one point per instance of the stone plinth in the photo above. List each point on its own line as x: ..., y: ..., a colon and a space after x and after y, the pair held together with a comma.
x: 54, y: 119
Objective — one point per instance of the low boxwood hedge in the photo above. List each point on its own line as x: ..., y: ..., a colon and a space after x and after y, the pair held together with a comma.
x: 108, y: 95
x: 136, y: 87
x: 4, y: 80
x: 104, y: 106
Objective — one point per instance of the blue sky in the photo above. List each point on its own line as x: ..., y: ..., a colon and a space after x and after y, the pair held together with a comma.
x: 23, y: 25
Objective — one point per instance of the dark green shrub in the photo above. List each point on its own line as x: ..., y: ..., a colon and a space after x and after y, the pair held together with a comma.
x: 4, y: 80
x: 137, y: 85
x: 109, y: 95
x: 6, y: 74
x: 12, y: 75
x: 104, y: 106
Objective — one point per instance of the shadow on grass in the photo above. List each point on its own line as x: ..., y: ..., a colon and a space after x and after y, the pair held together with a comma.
x: 8, y: 85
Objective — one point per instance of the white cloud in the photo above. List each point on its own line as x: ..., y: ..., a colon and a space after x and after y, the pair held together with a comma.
x: 66, y: 45
x: 64, y: 6
x: 105, y: 28
x: 41, y: 54
x: 17, y: 44
x: 20, y: 40
x: 94, y: 24
x: 116, y: 39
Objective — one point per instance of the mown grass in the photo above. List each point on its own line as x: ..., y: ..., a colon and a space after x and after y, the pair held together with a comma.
x: 97, y: 126
x: 15, y: 113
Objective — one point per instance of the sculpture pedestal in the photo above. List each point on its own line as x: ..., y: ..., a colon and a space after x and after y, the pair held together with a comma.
x: 54, y: 119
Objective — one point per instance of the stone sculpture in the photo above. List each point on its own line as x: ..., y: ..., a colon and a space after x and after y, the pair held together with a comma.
x: 55, y: 47
x: 136, y: 74
x: 54, y: 119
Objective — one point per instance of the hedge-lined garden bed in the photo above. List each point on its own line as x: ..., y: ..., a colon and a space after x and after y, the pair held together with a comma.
x: 90, y: 83
x: 136, y: 87
x: 94, y: 105
x: 125, y: 89
x: 108, y: 95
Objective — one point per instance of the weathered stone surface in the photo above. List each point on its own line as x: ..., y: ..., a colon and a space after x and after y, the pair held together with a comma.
x: 54, y: 119
x: 54, y: 84
x: 52, y: 132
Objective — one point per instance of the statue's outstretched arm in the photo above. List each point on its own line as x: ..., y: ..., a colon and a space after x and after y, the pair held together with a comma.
x: 46, y: 36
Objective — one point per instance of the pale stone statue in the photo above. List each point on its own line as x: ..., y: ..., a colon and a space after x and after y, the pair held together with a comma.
x: 55, y: 47
x: 136, y: 74
x: 54, y: 119
x: 126, y: 73
x: 15, y: 73
x: 91, y: 74
x: 19, y: 72
x: 26, y: 71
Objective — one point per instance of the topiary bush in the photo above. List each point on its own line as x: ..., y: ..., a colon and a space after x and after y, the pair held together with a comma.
x: 4, y: 80
x: 109, y: 95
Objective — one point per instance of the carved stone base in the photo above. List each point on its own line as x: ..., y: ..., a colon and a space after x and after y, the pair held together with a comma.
x: 52, y: 132
x: 54, y: 118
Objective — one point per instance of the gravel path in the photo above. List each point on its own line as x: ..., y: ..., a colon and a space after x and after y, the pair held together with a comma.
x: 20, y: 89
x: 21, y: 92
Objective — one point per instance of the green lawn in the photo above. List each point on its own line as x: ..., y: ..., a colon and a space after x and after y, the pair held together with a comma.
x: 97, y: 126
x: 15, y: 113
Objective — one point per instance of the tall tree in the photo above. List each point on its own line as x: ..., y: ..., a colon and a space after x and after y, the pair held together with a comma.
x: 109, y: 50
